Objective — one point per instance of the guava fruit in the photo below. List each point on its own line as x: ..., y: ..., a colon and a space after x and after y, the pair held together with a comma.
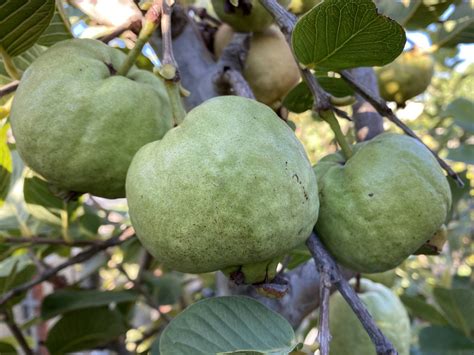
x: 387, y: 278
x: 388, y: 312
x: 406, y: 77
x: 382, y: 204
x: 269, y: 68
x: 299, y: 7
x: 230, y: 188
x: 245, y: 18
x: 78, y: 124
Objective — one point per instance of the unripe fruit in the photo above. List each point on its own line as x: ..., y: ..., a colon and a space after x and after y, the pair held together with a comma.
x: 242, y: 19
x: 228, y: 188
x: 382, y: 204
x: 270, y: 68
x: 406, y: 77
x: 388, y: 312
x: 78, y: 124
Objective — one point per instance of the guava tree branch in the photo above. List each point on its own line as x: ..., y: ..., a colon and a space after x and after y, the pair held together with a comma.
x: 9, y: 88
x: 50, y: 241
x: 79, y: 258
x: 326, y: 264
x: 16, y: 332
x: 381, y: 106
x: 228, y: 78
x: 367, y: 121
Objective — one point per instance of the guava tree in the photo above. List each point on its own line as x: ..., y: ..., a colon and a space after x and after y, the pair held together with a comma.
x: 161, y: 193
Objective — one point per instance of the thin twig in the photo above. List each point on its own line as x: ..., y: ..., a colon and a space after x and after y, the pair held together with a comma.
x: 168, y: 56
x: 16, y: 332
x: 134, y: 24
x: 49, y: 241
x: 82, y: 256
x: 324, y: 261
x: 9, y: 88
x: 324, y: 293
x: 381, y: 106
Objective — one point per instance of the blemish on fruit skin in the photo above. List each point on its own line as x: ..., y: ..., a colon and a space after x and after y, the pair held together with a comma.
x: 371, y: 194
x: 111, y: 68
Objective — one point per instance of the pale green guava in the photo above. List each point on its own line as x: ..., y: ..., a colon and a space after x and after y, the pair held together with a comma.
x: 229, y: 187
x: 78, y: 124
x: 382, y: 204
x: 388, y: 312
x: 406, y: 77
x: 257, y: 19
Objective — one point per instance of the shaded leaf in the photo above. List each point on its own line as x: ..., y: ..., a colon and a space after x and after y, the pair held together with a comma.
x: 166, y: 289
x: 22, y: 62
x: 341, y: 34
x: 464, y: 153
x: 438, y: 340
x: 85, y: 329
x: 458, y: 27
x: 64, y: 301
x: 23, y: 22
x: 427, y: 11
x: 6, y: 165
x: 458, y: 193
x: 458, y: 307
x: 227, y: 324
x: 298, y: 256
x: 418, y: 307
x: 14, y: 271
x: 300, y: 99
x: 462, y: 110
x: 7, y: 349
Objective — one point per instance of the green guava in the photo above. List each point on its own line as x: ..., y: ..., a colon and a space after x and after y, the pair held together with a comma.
x: 229, y: 188
x: 382, y: 204
x: 270, y: 68
x: 78, y: 124
x: 387, y: 278
x: 254, y: 18
x: 388, y: 312
x: 406, y: 77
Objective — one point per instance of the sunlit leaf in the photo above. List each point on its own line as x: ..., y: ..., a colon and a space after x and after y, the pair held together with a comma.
x: 341, y: 34
x: 5, y: 164
x: 227, y: 325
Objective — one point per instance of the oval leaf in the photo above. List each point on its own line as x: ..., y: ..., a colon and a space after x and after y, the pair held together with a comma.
x: 22, y: 23
x: 22, y: 62
x: 58, y: 30
x: 226, y: 325
x: 64, y: 301
x: 439, y: 340
x: 85, y: 329
x: 342, y: 34
x: 461, y: 110
x: 458, y: 306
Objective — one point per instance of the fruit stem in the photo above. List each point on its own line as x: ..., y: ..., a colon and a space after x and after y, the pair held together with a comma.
x: 145, y: 33
x: 174, y: 94
x: 331, y: 119
x: 10, y: 67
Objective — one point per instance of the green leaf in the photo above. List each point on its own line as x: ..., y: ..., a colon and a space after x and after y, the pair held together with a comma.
x: 6, y: 166
x: 14, y: 271
x: 300, y: 99
x: 427, y: 11
x: 298, y: 256
x: 226, y: 324
x: 438, y: 340
x: 85, y: 329
x: 22, y: 62
x: 462, y: 110
x: 418, y: 307
x: 342, y: 34
x: 7, y: 349
x: 458, y: 193
x: 64, y: 301
x: 23, y: 22
x: 58, y: 30
x: 166, y: 289
x: 458, y: 27
x: 458, y: 307
x: 40, y: 201
x: 400, y: 11
x: 464, y: 153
